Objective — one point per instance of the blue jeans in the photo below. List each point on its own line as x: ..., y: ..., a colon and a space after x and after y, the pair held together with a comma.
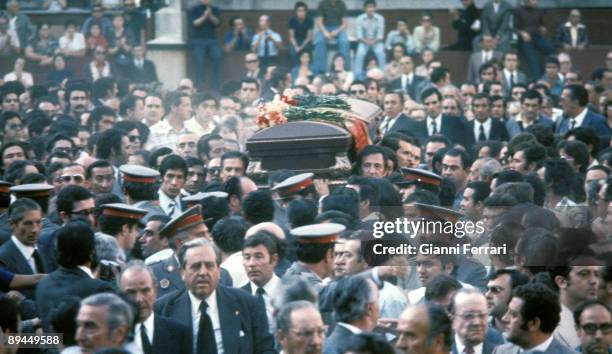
x: 320, y: 49
x: 362, y: 51
x: 203, y: 48
x: 294, y: 56
x: 530, y: 53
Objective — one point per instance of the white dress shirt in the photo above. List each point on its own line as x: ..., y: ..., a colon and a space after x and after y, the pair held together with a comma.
x: 213, y: 312
x: 486, y: 55
x: 87, y: 271
x: 150, y: 327
x: 350, y: 327
x: 271, y: 290
x: 487, y: 128
x: 406, y: 80
x: 27, y: 252
x: 461, y: 347
x: 164, y: 203
x: 579, y: 118
x: 508, y: 75
x: 387, y: 124
x: 233, y: 264
x: 438, y: 121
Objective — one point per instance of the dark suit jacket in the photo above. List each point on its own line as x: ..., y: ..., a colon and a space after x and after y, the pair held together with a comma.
x: 452, y: 127
x: 170, y: 336
x: 89, y: 75
x: 338, y: 340
x: 66, y: 282
x: 147, y: 74
x: 593, y: 120
x: 12, y: 260
x: 498, y: 132
x: 493, y: 339
x: 168, y: 275
x: 521, y: 78
x: 244, y: 325
x: 412, y: 89
x: 563, y: 35
x: 409, y: 126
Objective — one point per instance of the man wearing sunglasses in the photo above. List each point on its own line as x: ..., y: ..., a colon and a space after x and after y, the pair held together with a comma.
x: 594, y: 324
x: 358, y: 90
x: 12, y: 127
x: 498, y: 291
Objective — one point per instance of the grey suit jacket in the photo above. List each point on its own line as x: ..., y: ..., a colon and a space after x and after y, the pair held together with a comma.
x: 497, y: 24
x: 475, y: 64
x: 554, y: 348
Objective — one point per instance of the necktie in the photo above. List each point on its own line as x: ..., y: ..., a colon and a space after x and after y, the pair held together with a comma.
x: 206, y: 333
x: 482, y: 136
x: 384, y: 126
x: 512, y: 79
x: 260, y: 293
x: 572, y: 123
x: 266, y: 46
x: 171, y: 208
x: 434, y: 128
x: 468, y: 350
x: 147, y: 348
x: 37, y: 262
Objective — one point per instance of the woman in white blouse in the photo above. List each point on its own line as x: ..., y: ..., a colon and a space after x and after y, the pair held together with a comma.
x: 72, y: 43
x: 426, y: 35
x: 19, y: 75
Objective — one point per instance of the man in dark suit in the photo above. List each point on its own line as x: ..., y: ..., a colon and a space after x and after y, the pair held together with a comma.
x: 574, y: 100
x: 537, y: 307
x: 572, y: 34
x: 496, y: 17
x: 483, y: 127
x: 464, y: 23
x: 243, y: 324
x: 510, y: 75
x: 152, y: 334
x: 74, y: 277
x: 486, y: 53
x: 408, y: 82
x: 142, y: 70
x: 468, y: 310
x: 355, y: 302
x: 397, y: 122
x: 295, y: 319
x: 20, y: 254
x: 438, y: 123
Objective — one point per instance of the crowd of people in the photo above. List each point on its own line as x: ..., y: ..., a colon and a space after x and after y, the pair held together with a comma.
x: 130, y: 221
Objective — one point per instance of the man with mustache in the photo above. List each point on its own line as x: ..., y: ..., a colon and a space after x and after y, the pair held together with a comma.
x: 468, y: 310
x: 77, y: 97
x: 221, y: 319
x: 576, y: 284
x: 498, y: 293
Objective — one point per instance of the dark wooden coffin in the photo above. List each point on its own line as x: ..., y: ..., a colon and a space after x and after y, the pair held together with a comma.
x: 305, y: 145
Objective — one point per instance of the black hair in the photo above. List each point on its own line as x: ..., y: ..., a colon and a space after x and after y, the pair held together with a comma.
x: 236, y: 155
x: 70, y: 194
x: 203, y: 147
x: 481, y: 190
x: 423, y: 197
x: 269, y: 241
x: 301, y: 212
x: 258, y: 207
x: 173, y: 162
x: 437, y: 75
x: 465, y: 157
x: 350, y: 299
x: 559, y: 176
x: 578, y: 93
x: 342, y: 199
x: 540, y: 302
x: 577, y: 150
x: 440, y: 286
x: 62, y: 318
x: 75, y: 235
x: 214, y: 209
x: 109, y: 142
x: 156, y: 154
x: 431, y: 91
x: 9, y: 316
x: 228, y: 234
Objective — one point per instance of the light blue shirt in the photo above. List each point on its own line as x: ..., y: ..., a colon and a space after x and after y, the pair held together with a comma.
x: 371, y: 28
x: 272, y: 50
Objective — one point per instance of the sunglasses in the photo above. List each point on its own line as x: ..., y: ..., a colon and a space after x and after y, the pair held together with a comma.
x: 357, y: 92
x: 591, y: 328
x: 84, y: 212
x: 495, y: 289
x: 16, y: 126
x: 133, y: 138
x: 75, y: 178
x: 214, y: 170
x: 252, y: 61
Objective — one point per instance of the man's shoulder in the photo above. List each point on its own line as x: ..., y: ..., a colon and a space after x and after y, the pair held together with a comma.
x: 507, y: 348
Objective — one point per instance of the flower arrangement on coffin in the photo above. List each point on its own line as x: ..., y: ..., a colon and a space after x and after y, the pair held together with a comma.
x: 327, y: 109
x: 287, y: 108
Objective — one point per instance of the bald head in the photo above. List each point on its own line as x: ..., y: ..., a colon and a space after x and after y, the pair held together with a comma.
x: 270, y: 227
x: 424, y: 329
